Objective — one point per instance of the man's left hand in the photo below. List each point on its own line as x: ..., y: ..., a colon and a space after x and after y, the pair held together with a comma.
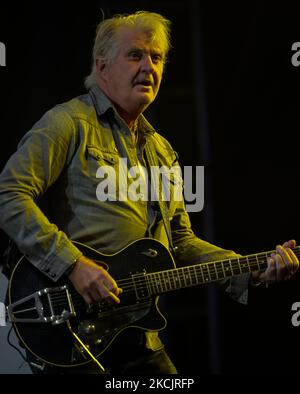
x: 281, y: 265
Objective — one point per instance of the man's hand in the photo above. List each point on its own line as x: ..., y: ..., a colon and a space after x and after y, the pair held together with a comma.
x: 93, y: 282
x: 281, y: 265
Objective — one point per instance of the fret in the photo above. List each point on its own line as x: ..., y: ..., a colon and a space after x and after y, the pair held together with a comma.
x: 188, y: 276
x: 149, y: 284
x: 247, y: 261
x: 230, y: 265
x: 166, y: 281
x: 200, y: 274
x: 177, y: 280
x: 183, y: 276
x: 264, y: 263
x: 227, y: 268
x: 154, y: 285
x: 190, y: 269
x: 172, y: 280
x: 216, y: 269
x: 239, y: 265
x: 212, y: 271
x: 158, y: 282
x: 205, y: 273
x: 196, y: 276
x: 257, y: 264
x: 244, y: 266
x: 221, y: 263
x: 208, y: 271
x: 161, y: 281
x: 235, y: 268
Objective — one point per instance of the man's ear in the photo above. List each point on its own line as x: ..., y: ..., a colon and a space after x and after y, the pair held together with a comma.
x: 101, y: 66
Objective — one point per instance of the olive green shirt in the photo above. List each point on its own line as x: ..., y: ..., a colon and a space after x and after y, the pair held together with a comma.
x: 59, y: 158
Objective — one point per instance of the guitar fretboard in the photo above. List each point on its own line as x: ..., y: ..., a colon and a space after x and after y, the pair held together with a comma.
x: 193, y: 275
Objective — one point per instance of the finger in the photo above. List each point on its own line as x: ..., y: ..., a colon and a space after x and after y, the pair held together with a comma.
x: 117, y: 291
x: 286, y: 260
x: 109, y: 292
x: 114, y: 297
x: 110, y: 283
x: 295, y: 261
x: 290, y: 244
x: 270, y: 274
x: 109, y: 296
x: 112, y: 286
x: 281, y: 268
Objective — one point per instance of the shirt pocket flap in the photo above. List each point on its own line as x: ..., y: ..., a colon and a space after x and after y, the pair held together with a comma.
x: 99, y: 155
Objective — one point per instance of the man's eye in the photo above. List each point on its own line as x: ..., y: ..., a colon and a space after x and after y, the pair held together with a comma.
x: 135, y: 55
x: 156, y: 58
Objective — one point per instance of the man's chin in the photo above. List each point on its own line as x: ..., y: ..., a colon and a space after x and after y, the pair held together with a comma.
x: 145, y: 97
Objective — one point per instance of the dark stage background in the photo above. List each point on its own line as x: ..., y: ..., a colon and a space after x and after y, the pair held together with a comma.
x: 229, y: 101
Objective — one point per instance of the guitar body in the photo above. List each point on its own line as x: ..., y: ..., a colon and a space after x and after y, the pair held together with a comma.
x: 98, y: 325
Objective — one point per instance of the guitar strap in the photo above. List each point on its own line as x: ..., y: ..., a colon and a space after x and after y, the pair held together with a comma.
x: 157, y: 187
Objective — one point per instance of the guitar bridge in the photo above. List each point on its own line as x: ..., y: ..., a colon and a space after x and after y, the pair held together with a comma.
x: 49, y: 305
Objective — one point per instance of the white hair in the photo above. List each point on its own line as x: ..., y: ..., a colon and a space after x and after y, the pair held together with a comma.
x: 106, y: 45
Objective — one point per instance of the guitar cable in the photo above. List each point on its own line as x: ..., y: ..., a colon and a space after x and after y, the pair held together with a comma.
x: 102, y: 369
x: 15, y: 347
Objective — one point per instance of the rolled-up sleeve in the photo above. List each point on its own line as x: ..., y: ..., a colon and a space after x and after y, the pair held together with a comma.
x: 32, y: 169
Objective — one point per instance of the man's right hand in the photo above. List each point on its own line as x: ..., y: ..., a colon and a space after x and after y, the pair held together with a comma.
x: 93, y: 282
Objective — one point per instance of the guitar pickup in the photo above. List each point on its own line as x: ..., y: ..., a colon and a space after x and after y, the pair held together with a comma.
x: 49, y: 305
x: 141, y: 286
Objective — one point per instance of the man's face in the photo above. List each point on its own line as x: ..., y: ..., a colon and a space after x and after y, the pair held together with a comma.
x: 132, y: 80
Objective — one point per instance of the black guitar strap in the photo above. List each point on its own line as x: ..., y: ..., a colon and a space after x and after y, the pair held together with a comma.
x: 157, y: 186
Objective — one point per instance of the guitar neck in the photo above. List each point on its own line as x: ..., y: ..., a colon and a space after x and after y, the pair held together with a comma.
x: 168, y: 280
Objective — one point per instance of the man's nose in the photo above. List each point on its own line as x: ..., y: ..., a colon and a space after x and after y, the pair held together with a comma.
x: 147, y: 64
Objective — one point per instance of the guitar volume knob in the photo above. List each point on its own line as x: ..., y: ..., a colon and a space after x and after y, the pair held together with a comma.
x: 87, y: 328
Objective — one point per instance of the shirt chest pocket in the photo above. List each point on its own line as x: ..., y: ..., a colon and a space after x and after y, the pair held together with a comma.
x: 103, y: 167
x: 102, y: 157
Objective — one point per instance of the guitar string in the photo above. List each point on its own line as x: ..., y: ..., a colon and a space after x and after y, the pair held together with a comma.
x: 235, y: 264
x: 149, y: 280
x: 141, y: 281
x: 199, y: 268
x: 151, y: 283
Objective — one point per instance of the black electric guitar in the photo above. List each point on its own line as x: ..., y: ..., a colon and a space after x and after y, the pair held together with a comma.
x: 48, y: 317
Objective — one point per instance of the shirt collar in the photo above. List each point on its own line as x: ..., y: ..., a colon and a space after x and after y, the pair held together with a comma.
x: 103, y: 104
x: 100, y: 100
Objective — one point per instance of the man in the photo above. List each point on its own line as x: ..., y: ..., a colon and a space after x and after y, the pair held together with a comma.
x: 60, y: 158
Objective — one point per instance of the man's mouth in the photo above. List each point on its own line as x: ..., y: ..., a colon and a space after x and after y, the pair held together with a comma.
x: 143, y: 83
